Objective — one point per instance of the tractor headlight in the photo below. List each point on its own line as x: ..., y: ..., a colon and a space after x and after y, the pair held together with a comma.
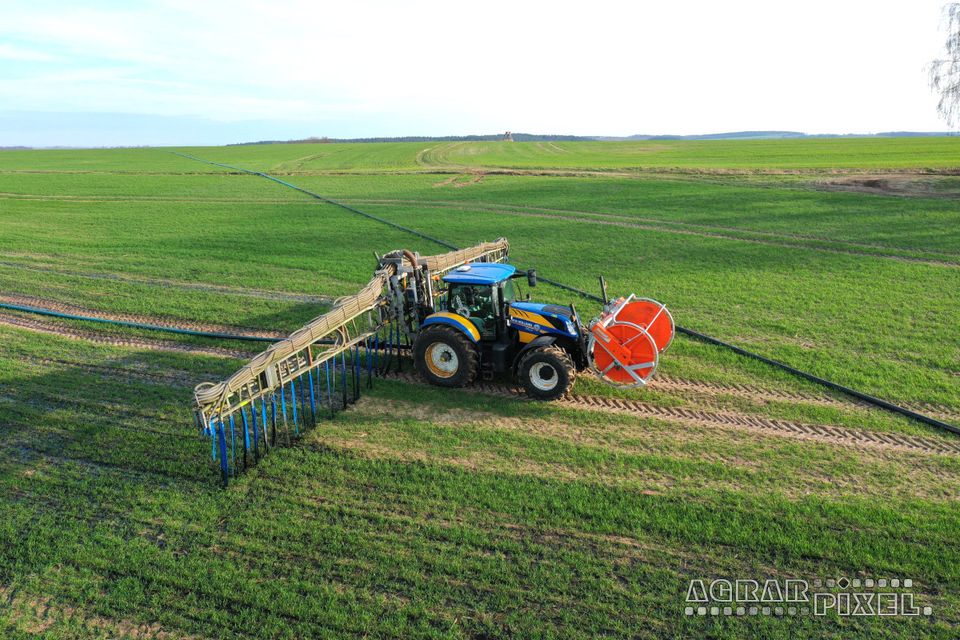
x: 571, y: 328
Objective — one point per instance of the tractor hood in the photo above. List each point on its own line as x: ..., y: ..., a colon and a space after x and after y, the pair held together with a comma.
x: 549, y: 310
x: 535, y: 318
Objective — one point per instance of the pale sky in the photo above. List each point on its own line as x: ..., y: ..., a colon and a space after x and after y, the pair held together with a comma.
x: 212, y: 71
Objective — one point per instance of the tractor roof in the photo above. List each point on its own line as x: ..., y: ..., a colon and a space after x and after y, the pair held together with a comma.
x: 480, y: 273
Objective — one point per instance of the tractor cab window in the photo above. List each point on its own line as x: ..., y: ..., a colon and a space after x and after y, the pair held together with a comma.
x: 510, y: 291
x: 474, y: 301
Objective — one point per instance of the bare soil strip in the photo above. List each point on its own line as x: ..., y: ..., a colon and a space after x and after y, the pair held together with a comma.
x: 55, y: 328
x: 917, y: 186
x: 449, y: 180
x: 60, y: 307
x: 439, y: 161
x: 474, y: 179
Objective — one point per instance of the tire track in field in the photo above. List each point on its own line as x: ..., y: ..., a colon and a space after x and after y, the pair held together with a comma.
x: 857, y: 438
x: 754, y: 392
x: 727, y: 419
x: 175, y: 284
x: 60, y: 307
x: 61, y: 330
x: 750, y: 391
x: 654, y: 224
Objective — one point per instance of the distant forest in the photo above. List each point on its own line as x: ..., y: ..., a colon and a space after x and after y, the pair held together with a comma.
x: 532, y: 137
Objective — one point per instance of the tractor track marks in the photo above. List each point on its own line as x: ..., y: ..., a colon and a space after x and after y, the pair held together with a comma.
x: 857, y: 438
x: 754, y: 392
x: 707, y: 231
x: 841, y: 435
x: 175, y: 284
x: 60, y: 307
x: 57, y: 329
x: 714, y: 418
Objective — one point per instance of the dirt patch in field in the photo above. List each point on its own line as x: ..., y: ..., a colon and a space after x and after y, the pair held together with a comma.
x: 37, y: 615
x: 444, y: 183
x: 461, y: 180
x: 919, y: 186
x: 474, y: 179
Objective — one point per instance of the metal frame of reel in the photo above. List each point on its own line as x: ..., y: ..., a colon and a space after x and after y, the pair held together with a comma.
x: 611, y: 320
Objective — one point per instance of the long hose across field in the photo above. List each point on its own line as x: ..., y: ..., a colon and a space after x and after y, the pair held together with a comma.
x: 877, y: 402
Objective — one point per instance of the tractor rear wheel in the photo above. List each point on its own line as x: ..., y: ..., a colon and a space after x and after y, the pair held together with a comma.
x: 547, y: 373
x: 445, y: 357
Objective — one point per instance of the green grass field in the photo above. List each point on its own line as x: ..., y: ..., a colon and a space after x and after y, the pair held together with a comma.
x: 429, y: 513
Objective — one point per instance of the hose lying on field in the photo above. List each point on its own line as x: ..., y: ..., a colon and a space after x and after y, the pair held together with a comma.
x: 136, y: 325
x: 877, y: 402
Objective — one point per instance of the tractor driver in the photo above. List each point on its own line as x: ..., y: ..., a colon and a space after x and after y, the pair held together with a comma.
x: 475, y: 301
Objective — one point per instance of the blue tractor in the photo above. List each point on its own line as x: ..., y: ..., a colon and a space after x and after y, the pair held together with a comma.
x: 484, y: 328
x: 467, y: 318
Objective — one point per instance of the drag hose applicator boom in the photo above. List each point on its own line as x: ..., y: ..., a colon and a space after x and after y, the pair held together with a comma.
x: 319, y: 365
x: 461, y: 315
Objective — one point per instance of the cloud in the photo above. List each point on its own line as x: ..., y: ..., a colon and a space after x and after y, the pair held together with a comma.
x: 23, y: 54
x: 599, y: 68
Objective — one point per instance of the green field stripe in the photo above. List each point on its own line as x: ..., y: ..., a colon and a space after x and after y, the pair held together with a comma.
x: 800, y: 240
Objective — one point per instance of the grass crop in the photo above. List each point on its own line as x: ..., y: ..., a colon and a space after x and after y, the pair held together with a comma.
x: 423, y: 512
x: 432, y: 513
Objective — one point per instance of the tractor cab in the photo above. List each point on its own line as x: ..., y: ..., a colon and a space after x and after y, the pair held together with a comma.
x: 477, y: 292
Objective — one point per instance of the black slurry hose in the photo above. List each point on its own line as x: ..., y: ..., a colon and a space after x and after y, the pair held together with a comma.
x: 877, y: 402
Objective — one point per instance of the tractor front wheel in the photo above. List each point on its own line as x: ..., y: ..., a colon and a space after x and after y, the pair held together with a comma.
x: 547, y: 373
x: 445, y: 357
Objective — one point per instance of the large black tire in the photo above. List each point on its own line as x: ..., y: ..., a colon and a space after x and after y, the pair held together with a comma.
x: 445, y: 357
x: 547, y: 373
